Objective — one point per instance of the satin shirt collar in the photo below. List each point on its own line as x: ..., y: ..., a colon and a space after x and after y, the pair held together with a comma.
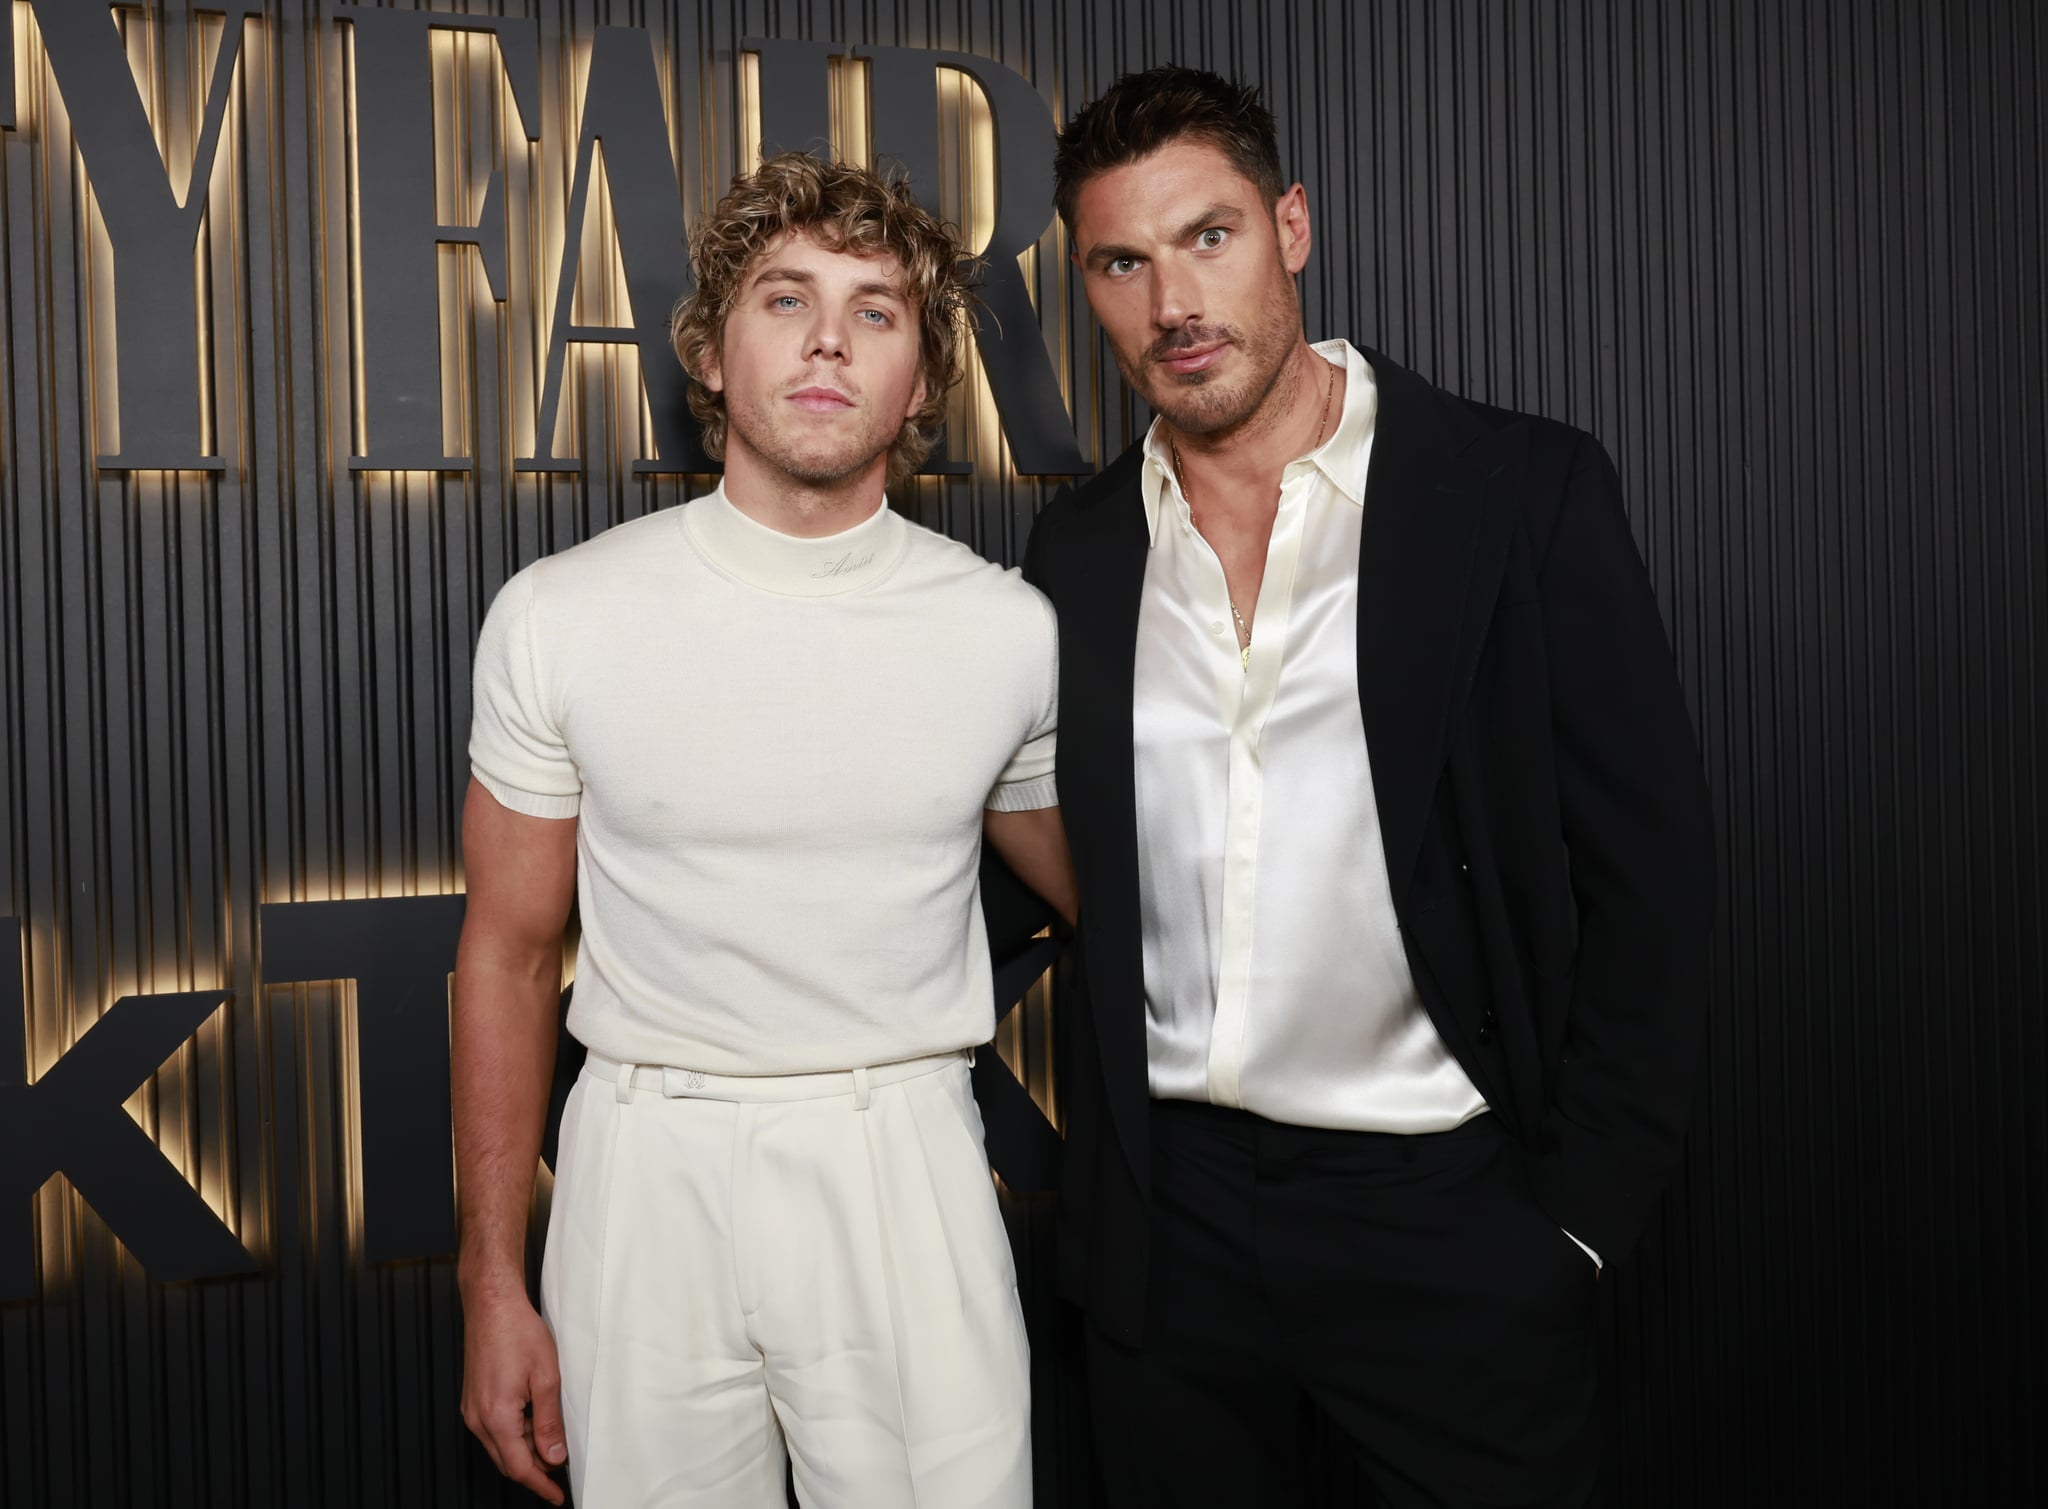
x: 1342, y: 458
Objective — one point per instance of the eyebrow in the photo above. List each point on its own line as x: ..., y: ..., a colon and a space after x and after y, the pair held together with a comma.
x: 1228, y: 216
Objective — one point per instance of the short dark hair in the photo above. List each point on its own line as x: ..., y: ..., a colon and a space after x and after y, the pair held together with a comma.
x: 1143, y: 112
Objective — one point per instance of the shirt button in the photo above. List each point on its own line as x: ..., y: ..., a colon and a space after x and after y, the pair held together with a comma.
x: 1216, y: 627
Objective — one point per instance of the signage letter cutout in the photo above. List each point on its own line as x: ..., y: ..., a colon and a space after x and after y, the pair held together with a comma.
x: 399, y: 230
x: 400, y: 952
x: 71, y: 1122
x: 622, y: 110
x: 154, y: 236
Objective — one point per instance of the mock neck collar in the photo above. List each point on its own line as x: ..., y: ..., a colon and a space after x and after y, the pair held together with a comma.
x: 791, y: 566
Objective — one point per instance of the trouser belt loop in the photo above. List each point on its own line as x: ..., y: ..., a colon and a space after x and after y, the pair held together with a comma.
x: 625, y: 1083
x: 860, y: 1089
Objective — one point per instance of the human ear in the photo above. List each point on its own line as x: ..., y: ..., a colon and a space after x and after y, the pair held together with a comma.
x: 1291, y: 226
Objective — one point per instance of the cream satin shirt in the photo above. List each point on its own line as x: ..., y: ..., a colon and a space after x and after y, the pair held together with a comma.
x: 1274, y: 975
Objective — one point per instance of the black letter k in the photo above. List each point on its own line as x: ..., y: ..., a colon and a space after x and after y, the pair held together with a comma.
x: 71, y: 1121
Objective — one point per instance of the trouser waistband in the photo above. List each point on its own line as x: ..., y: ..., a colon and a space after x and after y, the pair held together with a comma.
x: 696, y: 1084
x: 1175, y: 1121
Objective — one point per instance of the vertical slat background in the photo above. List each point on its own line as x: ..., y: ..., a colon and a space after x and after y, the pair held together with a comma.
x: 1783, y: 258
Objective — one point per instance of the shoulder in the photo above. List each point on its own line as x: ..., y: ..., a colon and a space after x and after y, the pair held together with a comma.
x: 599, y: 568
x: 1551, y: 458
x: 648, y: 537
x: 1551, y: 445
x: 1526, y: 472
x: 1079, y: 516
x: 938, y: 563
x: 1555, y: 452
x: 1093, y: 497
x: 1549, y: 438
x: 1404, y: 394
x: 581, y: 582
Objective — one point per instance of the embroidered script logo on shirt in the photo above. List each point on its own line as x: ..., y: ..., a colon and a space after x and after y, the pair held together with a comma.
x: 845, y: 564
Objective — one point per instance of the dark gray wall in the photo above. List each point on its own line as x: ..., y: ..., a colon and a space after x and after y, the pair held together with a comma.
x: 1784, y: 259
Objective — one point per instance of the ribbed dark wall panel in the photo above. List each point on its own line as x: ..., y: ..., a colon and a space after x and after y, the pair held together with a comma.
x: 1783, y: 258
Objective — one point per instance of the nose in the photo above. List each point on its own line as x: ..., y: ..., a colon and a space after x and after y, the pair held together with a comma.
x: 1176, y: 294
x: 826, y: 338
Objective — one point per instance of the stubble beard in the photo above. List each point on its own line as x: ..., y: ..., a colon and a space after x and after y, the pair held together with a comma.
x: 1199, y: 404
x: 822, y: 463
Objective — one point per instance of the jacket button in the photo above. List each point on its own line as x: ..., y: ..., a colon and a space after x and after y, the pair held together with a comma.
x: 1486, y: 1025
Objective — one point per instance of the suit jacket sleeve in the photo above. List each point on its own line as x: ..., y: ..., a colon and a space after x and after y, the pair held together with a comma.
x: 1035, y: 548
x: 1638, y: 829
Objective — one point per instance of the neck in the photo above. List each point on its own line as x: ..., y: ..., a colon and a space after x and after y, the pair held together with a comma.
x: 1294, y: 418
x: 791, y: 505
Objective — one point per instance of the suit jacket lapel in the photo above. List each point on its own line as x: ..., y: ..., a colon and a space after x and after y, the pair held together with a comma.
x: 1438, y: 507
x: 1100, y: 622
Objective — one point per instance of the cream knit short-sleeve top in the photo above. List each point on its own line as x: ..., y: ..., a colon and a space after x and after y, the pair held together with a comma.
x: 778, y: 751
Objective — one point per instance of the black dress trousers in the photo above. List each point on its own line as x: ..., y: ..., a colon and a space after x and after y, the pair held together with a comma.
x: 1409, y: 1286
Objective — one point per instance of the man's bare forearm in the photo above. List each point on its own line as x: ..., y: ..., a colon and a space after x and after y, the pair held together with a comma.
x: 1034, y: 845
x: 508, y: 984
x: 503, y: 1056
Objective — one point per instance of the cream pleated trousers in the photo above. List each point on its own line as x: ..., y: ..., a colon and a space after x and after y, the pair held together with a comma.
x: 741, y: 1273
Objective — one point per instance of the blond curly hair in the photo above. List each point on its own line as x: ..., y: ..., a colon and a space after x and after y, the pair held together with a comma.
x: 845, y: 209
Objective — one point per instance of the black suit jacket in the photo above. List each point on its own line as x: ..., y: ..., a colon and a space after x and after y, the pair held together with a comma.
x: 1546, y: 823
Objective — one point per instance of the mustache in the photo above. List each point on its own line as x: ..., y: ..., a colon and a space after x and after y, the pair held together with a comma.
x: 1192, y: 337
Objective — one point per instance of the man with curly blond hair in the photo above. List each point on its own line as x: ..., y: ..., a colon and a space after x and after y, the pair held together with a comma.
x: 758, y: 740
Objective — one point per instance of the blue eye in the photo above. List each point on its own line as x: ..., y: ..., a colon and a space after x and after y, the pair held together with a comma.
x: 875, y: 316
x: 787, y: 301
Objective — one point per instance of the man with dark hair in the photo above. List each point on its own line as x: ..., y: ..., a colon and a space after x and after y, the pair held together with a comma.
x: 1395, y: 862
x: 757, y: 739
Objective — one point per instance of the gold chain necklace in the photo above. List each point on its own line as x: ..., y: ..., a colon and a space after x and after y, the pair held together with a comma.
x: 1244, y: 630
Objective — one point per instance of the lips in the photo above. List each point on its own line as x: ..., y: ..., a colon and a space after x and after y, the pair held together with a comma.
x: 816, y: 400
x: 1200, y: 359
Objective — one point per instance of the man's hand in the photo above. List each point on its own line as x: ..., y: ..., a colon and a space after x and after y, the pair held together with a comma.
x: 508, y: 979
x: 508, y: 1363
